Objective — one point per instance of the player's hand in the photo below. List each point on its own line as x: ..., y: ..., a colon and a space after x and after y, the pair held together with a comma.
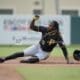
x: 36, y: 17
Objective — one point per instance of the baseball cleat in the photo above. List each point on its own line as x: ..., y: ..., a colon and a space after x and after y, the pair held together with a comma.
x: 2, y: 60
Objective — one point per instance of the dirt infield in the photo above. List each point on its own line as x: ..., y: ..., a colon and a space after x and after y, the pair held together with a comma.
x: 8, y: 69
x: 8, y: 73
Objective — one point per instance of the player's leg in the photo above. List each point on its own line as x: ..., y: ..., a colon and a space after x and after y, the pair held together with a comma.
x: 27, y: 52
x: 15, y: 55
x: 33, y: 59
x: 31, y: 52
x: 12, y: 56
x: 40, y: 55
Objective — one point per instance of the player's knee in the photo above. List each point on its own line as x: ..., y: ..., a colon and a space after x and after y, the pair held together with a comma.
x: 31, y: 60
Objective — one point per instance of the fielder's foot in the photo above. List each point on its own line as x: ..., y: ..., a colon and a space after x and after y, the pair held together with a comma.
x: 2, y: 60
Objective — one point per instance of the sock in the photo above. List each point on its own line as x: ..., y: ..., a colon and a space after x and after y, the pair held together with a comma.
x: 15, y: 55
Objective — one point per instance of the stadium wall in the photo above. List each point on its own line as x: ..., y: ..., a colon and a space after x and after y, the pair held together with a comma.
x: 14, y: 30
x: 75, y: 30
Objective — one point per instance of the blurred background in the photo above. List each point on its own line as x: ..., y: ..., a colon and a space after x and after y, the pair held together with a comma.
x: 15, y: 17
x: 52, y: 7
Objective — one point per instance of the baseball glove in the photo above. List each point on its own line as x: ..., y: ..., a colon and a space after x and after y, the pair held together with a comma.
x: 76, y: 55
x: 36, y: 17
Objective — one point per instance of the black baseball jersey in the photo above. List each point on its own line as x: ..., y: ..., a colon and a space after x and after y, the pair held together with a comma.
x: 49, y: 38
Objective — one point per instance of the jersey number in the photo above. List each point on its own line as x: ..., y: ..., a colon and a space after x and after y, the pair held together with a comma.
x: 50, y: 42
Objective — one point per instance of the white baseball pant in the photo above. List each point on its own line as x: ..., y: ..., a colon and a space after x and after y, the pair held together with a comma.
x: 36, y: 50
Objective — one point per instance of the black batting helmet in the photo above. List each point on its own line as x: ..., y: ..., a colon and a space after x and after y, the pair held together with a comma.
x: 76, y: 55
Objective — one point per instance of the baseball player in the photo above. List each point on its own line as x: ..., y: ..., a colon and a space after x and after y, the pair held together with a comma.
x: 41, y: 51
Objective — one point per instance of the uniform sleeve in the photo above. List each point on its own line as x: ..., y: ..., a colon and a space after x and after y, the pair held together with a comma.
x: 37, y: 28
x: 59, y: 38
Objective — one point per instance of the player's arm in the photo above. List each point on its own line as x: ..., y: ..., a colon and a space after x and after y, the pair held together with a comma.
x: 65, y: 52
x: 64, y: 49
x: 32, y: 24
x: 36, y: 28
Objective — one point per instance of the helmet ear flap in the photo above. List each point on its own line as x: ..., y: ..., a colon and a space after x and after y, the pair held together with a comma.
x: 76, y: 55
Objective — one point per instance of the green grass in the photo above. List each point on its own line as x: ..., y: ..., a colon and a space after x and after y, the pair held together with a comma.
x: 50, y: 73
x: 58, y: 52
x: 6, y: 50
